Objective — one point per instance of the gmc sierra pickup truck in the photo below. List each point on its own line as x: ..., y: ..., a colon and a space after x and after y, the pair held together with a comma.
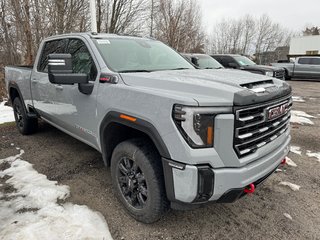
x: 302, y: 67
x: 174, y: 136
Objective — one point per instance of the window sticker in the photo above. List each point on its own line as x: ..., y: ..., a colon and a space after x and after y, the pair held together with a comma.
x: 103, y: 41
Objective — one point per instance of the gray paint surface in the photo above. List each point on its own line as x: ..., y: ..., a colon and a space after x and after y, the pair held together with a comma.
x: 151, y: 96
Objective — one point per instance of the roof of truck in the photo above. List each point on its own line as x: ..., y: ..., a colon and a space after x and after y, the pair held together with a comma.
x: 98, y: 35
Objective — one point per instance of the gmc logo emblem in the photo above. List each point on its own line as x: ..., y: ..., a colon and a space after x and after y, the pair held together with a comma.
x: 277, y: 111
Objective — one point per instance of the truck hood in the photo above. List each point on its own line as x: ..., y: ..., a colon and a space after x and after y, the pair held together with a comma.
x: 209, y: 87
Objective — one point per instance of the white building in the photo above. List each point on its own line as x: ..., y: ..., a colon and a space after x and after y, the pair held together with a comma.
x: 306, y: 45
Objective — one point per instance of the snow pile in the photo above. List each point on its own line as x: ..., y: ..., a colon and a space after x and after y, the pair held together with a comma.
x: 301, y: 117
x: 6, y: 113
x: 314, y: 155
x: 291, y: 163
x: 32, y: 211
x: 294, y: 187
x: 295, y: 149
x: 287, y: 215
x: 297, y: 99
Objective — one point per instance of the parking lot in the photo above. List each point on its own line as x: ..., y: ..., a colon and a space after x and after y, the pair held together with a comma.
x: 264, y: 215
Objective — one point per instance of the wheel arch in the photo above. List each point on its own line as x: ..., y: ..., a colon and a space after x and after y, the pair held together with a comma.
x: 114, y: 130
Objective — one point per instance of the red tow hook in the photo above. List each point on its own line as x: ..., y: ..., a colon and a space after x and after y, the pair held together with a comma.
x: 284, y: 161
x: 250, y: 188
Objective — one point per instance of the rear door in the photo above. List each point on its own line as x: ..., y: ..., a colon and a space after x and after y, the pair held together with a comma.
x: 303, y: 68
x: 315, y: 68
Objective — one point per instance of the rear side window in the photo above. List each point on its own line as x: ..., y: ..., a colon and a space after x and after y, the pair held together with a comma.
x: 225, y: 60
x: 304, y: 61
x: 82, y: 61
x: 56, y: 46
x: 315, y: 61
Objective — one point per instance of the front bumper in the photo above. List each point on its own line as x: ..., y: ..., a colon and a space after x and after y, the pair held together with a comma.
x: 198, y: 184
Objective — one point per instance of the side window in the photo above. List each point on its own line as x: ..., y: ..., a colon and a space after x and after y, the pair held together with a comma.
x: 82, y: 61
x: 225, y: 61
x: 315, y: 61
x: 56, y: 46
x: 304, y: 61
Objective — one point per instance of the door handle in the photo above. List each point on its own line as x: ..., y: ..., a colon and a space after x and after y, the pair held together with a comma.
x: 58, y: 87
x: 34, y: 81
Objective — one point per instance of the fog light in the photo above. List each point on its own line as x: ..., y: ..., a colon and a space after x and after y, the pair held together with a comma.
x: 205, y: 184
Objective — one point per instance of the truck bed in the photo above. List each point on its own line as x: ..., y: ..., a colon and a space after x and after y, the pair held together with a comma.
x: 20, y: 76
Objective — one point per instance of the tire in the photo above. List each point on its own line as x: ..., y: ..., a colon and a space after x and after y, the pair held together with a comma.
x: 287, y: 77
x: 25, y: 124
x: 138, y: 181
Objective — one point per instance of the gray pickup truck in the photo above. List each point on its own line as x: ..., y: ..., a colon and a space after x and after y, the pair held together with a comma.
x: 174, y: 136
x: 302, y: 67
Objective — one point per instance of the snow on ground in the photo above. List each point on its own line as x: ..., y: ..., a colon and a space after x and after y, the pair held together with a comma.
x: 31, y: 211
x: 287, y: 215
x: 6, y: 113
x: 314, y: 155
x: 291, y: 163
x: 295, y: 149
x: 301, y: 117
x: 294, y: 187
x: 297, y: 99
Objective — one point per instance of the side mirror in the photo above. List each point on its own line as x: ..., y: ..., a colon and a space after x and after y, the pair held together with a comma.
x: 233, y: 65
x: 60, y: 70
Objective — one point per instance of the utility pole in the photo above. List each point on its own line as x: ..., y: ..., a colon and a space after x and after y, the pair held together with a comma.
x: 93, y: 15
x: 151, y: 17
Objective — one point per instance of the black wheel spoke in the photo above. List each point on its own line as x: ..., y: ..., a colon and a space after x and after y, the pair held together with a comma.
x: 140, y: 178
x: 123, y: 180
x: 140, y: 199
x: 123, y: 169
x: 127, y: 163
x: 143, y: 191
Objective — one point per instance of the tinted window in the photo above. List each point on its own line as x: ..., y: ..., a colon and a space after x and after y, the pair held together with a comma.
x: 304, y: 60
x: 223, y: 60
x: 244, y: 61
x: 56, y: 46
x: 82, y: 61
x: 315, y: 61
x: 207, y: 62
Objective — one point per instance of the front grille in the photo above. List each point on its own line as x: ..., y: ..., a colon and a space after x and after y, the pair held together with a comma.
x: 261, y: 124
x: 279, y: 74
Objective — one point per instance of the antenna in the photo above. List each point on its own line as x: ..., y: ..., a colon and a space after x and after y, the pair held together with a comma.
x: 93, y: 16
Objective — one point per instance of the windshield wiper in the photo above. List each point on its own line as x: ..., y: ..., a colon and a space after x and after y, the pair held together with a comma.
x: 136, y: 70
x: 178, y: 69
x: 213, y: 68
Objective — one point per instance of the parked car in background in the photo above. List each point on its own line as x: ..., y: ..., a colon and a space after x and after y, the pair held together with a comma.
x: 243, y: 63
x: 202, y: 61
x: 302, y: 67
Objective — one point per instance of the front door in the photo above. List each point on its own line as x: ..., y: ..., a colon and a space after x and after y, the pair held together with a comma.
x: 64, y: 105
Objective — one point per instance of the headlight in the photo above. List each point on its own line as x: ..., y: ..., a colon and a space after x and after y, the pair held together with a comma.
x: 269, y: 74
x: 196, y: 124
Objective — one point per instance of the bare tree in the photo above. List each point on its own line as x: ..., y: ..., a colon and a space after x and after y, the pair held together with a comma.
x: 248, y: 35
x: 178, y: 23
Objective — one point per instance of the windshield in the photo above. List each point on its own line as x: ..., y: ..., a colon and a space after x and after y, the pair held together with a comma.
x: 139, y: 55
x: 244, y: 61
x: 207, y: 62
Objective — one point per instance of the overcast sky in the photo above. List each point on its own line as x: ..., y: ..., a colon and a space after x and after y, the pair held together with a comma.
x: 293, y: 14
